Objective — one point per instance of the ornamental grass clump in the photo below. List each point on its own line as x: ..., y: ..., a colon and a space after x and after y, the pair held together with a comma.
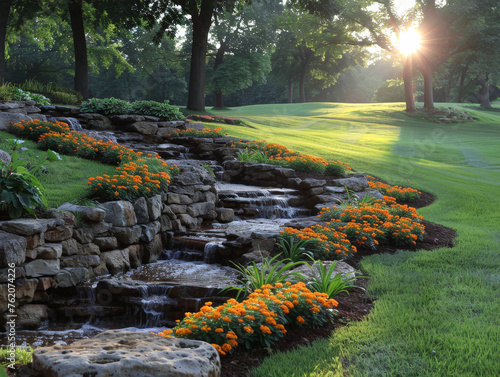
x: 261, y: 319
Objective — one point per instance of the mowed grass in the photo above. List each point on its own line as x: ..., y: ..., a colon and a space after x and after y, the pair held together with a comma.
x: 437, y: 312
x: 65, y: 180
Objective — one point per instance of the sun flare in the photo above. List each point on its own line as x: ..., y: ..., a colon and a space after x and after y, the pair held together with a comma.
x: 409, y: 41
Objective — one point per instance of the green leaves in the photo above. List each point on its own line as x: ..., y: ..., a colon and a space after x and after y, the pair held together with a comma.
x: 294, y: 249
x: 20, y: 190
x: 272, y: 271
x: 324, y: 283
x: 115, y: 106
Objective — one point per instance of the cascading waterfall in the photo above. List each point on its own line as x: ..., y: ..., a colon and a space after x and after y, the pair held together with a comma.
x: 210, y: 252
x: 73, y: 123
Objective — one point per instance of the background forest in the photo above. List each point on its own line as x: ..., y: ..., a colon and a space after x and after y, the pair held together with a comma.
x: 246, y: 53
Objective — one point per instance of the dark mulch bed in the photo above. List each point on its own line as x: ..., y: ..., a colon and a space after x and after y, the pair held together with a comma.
x: 352, y: 307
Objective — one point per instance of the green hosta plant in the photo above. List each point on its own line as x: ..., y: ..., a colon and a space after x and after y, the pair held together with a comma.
x: 106, y: 106
x: 159, y: 109
x: 20, y: 190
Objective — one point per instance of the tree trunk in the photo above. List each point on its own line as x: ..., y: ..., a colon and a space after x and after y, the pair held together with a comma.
x: 427, y: 73
x: 219, y: 57
x: 4, y: 17
x: 302, y: 86
x: 219, y: 100
x: 80, y: 47
x: 290, y: 90
x: 408, y: 83
x: 484, y: 93
x: 201, y: 26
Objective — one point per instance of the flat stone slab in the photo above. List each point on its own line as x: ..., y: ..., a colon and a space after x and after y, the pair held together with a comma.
x: 128, y: 354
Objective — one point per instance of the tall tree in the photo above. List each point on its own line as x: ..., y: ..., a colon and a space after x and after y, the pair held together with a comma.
x: 201, y: 16
x: 5, y: 6
x: 80, y: 48
x: 243, y: 40
x: 320, y: 51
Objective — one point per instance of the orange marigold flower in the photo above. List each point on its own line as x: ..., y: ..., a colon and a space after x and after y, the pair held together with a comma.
x: 300, y: 319
x: 265, y: 329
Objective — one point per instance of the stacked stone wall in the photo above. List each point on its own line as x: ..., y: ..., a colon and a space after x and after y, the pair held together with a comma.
x: 60, y: 252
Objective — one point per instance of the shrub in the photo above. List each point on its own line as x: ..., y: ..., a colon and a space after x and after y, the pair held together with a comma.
x: 20, y: 190
x: 6, y: 93
x: 258, y: 320
x: 9, y: 92
x: 115, y: 106
x: 335, y: 169
x: 56, y: 92
x: 64, y: 98
x: 106, y: 106
x: 158, y: 109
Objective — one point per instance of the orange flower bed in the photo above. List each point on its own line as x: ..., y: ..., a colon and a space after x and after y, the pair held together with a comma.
x: 260, y: 319
x: 398, y: 193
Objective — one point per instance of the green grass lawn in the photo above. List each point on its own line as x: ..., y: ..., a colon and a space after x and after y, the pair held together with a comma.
x: 437, y: 312
x: 64, y: 180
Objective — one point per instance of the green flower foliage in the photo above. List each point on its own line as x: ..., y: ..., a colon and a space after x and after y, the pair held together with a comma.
x: 115, y: 106
x: 158, y: 109
x: 106, y: 106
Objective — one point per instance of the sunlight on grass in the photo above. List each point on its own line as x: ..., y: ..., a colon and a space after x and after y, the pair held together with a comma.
x: 437, y: 311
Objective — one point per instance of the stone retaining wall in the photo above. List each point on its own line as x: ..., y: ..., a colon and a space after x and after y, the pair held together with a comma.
x: 57, y: 253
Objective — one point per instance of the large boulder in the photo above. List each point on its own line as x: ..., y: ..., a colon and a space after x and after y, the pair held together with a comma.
x: 128, y: 354
x: 7, y: 118
x: 357, y: 182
